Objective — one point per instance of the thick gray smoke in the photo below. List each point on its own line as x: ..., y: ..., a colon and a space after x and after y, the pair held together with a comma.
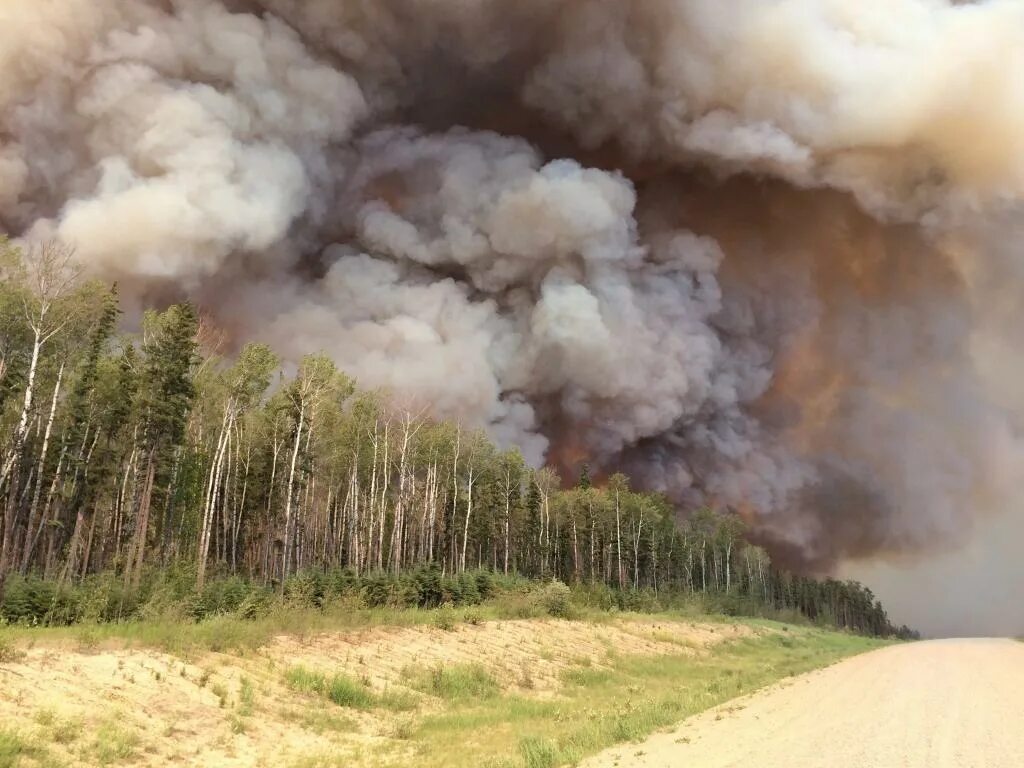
x: 754, y: 252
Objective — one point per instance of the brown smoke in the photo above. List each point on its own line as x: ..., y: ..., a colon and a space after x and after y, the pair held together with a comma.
x: 752, y: 252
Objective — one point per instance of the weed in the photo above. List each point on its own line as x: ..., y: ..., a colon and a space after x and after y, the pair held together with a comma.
x: 88, y: 640
x: 114, y: 742
x: 404, y: 728
x: 45, y: 717
x: 445, y: 618
x: 526, y: 677
x: 246, y: 698
x: 398, y: 700
x: 318, y: 720
x: 538, y: 753
x: 347, y: 693
x: 9, y: 653
x: 14, y: 746
x: 340, y: 689
x: 455, y: 682
x: 218, y: 690
x: 66, y: 731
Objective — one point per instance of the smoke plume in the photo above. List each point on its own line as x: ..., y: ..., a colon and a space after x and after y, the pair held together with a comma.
x: 759, y: 254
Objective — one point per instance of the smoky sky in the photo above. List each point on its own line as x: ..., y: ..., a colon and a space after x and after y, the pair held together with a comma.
x: 759, y: 254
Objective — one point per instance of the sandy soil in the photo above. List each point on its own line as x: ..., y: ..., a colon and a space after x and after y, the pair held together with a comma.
x: 529, y: 655
x: 190, y: 712
x: 937, y: 704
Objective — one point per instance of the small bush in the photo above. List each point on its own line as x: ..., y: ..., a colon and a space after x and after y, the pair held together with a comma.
x: 554, y: 599
x: 445, y: 618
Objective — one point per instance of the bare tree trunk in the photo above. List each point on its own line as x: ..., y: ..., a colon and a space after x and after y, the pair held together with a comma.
x: 636, y: 550
x: 470, y: 480
x: 40, y: 466
x: 209, y: 505
x: 9, y: 470
x: 618, y: 538
x: 289, y: 500
x: 134, y: 573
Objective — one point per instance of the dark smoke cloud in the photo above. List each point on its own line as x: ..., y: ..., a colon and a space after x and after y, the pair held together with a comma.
x: 757, y: 253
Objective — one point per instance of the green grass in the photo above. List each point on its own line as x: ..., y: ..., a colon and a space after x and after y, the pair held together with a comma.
x: 319, y: 720
x: 340, y: 689
x: 20, y: 749
x: 625, y: 699
x: 228, y: 633
x: 454, y: 682
x: 246, y: 698
x: 56, y: 729
x: 538, y: 753
x: 9, y: 652
x: 14, y: 747
x: 235, y: 633
x: 114, y: 743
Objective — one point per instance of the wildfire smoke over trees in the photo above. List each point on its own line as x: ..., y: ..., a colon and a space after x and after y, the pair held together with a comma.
x: 122, y: 453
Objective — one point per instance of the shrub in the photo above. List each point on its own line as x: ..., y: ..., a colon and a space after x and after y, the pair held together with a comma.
x: 554, y: 599
x: 445, y: 617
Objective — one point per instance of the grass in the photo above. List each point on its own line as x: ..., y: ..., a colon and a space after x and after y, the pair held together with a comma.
x: 626, y: 699
x: 538, y: 753
x: 16, y: 747
x: 455, y: 682
x: 113, y: 743
x: 58, y: 730
x: 229, y: 633
x: 319, y: 721
x: 246, y: 698
x: 340, y: 689
x: 454, y: 715
x: 234, y: 633
x: 9, y: 652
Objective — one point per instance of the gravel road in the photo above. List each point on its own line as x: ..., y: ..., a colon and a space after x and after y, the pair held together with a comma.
x: 935, y: 704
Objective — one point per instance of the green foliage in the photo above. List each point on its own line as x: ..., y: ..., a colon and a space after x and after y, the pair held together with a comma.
x: 553, y: 597
x: 445, y: 618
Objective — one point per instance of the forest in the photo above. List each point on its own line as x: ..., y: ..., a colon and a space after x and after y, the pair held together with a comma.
x: 129, y: 455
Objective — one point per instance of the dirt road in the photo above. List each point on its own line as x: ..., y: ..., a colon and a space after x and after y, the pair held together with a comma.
x: 936, y: 704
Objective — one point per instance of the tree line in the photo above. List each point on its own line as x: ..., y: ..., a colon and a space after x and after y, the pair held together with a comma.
x: 126, y: 452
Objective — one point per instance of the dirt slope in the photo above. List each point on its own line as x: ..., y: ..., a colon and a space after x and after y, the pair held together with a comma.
x: 938, y: 704
x: 165, y: 710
